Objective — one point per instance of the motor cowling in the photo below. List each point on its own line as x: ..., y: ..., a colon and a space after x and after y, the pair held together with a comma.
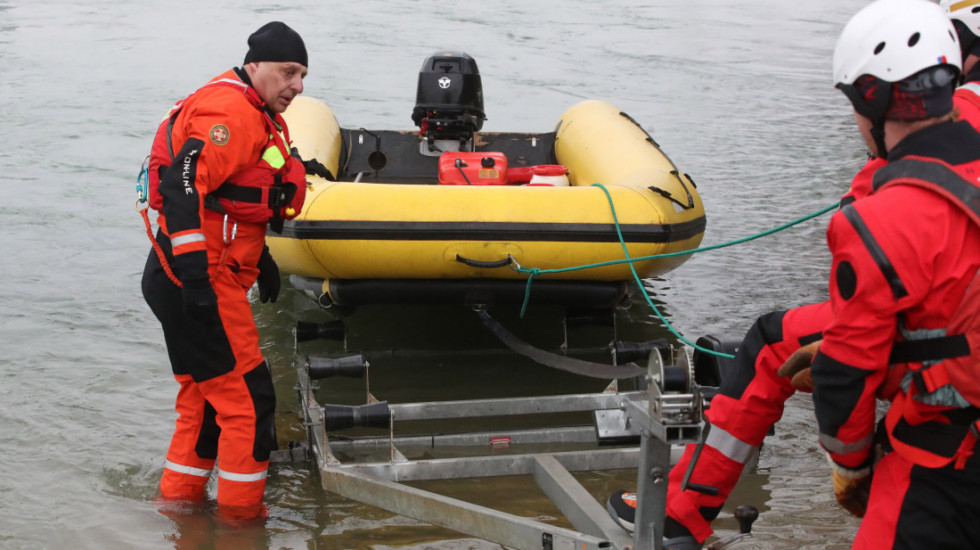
x: 449, y: 102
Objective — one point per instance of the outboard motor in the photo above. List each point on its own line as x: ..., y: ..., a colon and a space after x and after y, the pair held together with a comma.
x: 449, y: 102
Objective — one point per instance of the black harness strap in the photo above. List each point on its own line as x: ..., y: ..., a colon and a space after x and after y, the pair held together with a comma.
x: 968, y: 196
x: 929, y: 349
x: 238, y: 193
x: 934, y: 172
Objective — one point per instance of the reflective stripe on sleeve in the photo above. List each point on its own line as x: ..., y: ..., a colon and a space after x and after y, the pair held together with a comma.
x: 186, y: 238
x: 188, y: 241
x: 189, y: 470
x: 233, y: 476
x: 834, y: 445
x: 729, y: 445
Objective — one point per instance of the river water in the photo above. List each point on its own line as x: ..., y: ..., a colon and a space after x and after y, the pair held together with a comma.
x: 738, y: 93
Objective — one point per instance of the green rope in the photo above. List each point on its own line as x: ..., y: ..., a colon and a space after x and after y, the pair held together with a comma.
x: 533, y: 271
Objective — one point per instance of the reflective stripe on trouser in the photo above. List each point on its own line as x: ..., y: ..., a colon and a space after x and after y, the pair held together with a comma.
x: 242, y: 438
x: 750, y: 401
x: 188, y: 467
x: 227, y: 401
x: 914, y: 507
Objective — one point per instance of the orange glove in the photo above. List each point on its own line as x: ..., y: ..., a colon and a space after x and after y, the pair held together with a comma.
x: 852, y: 488
x: 797, y: 367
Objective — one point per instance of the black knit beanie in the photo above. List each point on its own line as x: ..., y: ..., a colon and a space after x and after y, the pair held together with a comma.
x: 275, y: 41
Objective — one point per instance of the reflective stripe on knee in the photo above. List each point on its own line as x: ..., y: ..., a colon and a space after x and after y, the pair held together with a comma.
x: 234, y: 476
x: 189, y: 470
x: 729, y: 445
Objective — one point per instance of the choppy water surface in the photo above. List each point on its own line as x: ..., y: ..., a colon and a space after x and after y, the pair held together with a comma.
x: 737, y: 93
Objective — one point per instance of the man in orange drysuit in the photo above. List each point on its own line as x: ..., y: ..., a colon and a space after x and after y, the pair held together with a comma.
x: 753, y: 393
x: 221, y: 172
x: 904, y: 293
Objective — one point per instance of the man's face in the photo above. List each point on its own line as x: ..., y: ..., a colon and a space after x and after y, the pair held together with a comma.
x: 278, y: 82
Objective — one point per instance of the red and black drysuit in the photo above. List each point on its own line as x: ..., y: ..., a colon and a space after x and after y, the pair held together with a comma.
x: 752, y: 396
x: 749, y: 402
x: 220, y: 171
x: 903, y: 259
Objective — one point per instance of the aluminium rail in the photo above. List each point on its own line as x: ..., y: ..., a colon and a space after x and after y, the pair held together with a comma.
x: 659, y: 418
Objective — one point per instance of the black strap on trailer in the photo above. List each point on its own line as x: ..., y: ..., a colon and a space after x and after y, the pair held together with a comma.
x: 560, y: 362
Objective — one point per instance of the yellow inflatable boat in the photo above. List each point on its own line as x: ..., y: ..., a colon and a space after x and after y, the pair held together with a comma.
x: 445, y: 212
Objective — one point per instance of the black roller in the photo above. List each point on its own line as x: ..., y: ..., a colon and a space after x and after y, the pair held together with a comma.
x: 709, y: 369
x: 332, y: 330
x: 746, y: 514
x: 640, y: 351
x: 341, y: 417
x: 352, y: 366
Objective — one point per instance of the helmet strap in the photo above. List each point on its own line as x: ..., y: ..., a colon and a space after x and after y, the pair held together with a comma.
x: 878, y: 135
x: 872, y: 105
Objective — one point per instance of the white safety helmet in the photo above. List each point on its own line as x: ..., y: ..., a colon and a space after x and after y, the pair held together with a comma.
x: 894, y: 39
x: 898, y: 59
x: 966, y: 18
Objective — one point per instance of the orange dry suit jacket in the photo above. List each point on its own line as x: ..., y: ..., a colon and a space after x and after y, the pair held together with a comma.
x: 220, y: 169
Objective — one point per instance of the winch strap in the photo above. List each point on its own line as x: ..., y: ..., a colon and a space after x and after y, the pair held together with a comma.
x: 560, y: 362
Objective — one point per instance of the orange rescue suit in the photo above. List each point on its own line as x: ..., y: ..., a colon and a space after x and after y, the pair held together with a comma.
x: 220, y: 138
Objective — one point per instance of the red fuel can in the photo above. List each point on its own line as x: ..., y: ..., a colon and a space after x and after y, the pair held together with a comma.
x: 472, y: 168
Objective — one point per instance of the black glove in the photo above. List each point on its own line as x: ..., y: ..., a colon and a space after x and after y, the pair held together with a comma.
x: 269, y: 281
x: 200, y: 301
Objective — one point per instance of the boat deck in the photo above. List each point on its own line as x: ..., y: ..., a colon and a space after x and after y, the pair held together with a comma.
x: 392, y: 156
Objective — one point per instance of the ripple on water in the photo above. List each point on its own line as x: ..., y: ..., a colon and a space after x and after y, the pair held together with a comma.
x: 742, y: 105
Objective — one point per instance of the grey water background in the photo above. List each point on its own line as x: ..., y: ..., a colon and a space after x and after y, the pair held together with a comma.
x: 738, y: 93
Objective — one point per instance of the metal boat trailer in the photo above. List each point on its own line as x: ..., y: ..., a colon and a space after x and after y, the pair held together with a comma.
x: 654, y: 422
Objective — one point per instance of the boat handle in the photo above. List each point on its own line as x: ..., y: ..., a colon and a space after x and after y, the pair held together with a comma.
x: 666, y: 194
x: 488, y: 265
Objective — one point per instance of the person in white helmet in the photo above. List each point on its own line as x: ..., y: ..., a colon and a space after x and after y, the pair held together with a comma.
x: 966, y: 19
x: 753, y: 398
x: 904, y: 260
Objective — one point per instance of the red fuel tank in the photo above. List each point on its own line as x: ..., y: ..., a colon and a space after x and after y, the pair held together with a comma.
x: 472, y: 168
